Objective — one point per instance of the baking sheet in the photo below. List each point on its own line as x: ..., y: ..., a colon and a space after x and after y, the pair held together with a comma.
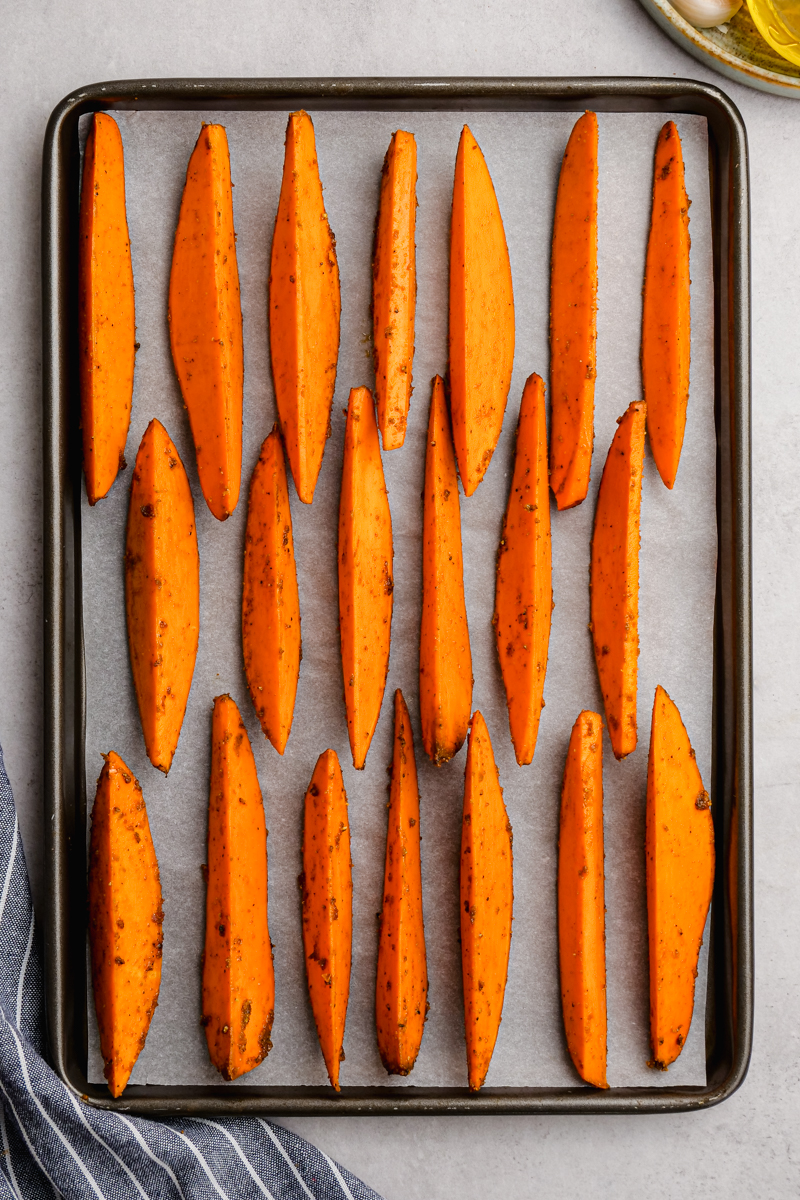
x: 677, y: 588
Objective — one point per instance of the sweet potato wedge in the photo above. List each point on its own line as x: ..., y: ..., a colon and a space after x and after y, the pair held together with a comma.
x: 270, y: 599
x: 125, y: 920
x: 205, y: 320
x: 581, y: 901
x: 365, y: 574
x: 615, y: 578
x: 445, y: 659
x: 573, y: 317
x: 680, y: 877
x: 162, y: 592
x: 394, y: 288
x: 666, y: 325
x: 481, y: 315
x: 487, y: 901
x: 304, y: 308
x: 106, y: 316
x: 401, y: 995
x: 326, y: 886
x: 524, y: 590
x: 238, y: 975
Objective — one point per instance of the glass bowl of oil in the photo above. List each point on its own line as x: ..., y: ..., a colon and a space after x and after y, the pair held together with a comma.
x: 778, y: 22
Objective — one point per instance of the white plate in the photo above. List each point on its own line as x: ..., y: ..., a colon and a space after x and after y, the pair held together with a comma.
x: 735, y: 49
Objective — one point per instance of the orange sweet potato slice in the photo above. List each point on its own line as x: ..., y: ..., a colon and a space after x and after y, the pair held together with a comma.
x: 125, y: 920
x: 615, y: 578
x: 394, y: 288
x: 581, y: 902
x: 304, y: 308
x: 205, y: 320
x: 238, y: 975
x: 487, y: 901
x: 445, y: 659
x: 326, y: 886
x: 365, y: 574
x: 162, y: 592
x: 106, y: 317
x: 401, y: 995
x: 481, y: 315
x: 666, y: 332
x: 270, y: 599
x: 573, y: 317
x: 680, y: 877
x: 524, y: 590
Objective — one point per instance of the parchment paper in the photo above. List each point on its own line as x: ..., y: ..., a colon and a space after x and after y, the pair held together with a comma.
x: 678, y: 560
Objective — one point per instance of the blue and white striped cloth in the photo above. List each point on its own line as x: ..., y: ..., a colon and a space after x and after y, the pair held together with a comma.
x: 54, y: 1145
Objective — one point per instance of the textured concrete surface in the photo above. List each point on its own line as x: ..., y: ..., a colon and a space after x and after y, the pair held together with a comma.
x: 751, y: 1145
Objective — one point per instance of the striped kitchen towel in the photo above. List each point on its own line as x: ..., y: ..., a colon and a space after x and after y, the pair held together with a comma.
x: 54, y: 1145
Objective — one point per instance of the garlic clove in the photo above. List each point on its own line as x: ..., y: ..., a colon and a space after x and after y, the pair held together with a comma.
x: 703, y: 14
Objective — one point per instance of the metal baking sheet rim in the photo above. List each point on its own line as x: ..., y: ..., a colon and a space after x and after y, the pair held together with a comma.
x: 729, y: 1009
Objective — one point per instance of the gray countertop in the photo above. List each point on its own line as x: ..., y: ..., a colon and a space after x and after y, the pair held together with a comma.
x: 750, y: 1146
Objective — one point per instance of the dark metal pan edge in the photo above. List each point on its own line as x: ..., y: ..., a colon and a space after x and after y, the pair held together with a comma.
x: 63, y: 628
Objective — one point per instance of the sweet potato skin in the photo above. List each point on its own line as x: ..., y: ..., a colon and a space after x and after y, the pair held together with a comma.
x: 680, y: 857
x: 581, y: 901
x: 326, y: 887
x: 666, y: 319
x: 238, y: 974
x: 270, y: 599
x: 366, y: 582
x: 445, y: 658
x: 162, y: 592
x: 106, y: 308
x: 304, y: 308
x: 487, y: 901
x: 394, y: 288
x: 524, y: 588
x: 615, y: 578
x: 573, y: 317
x: 125, y: 920
x: 205, y: 320
x: 401, y: 995
x: 481, y: 315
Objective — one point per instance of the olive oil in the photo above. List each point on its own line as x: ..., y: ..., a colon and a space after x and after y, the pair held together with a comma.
x: 778, y: 22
